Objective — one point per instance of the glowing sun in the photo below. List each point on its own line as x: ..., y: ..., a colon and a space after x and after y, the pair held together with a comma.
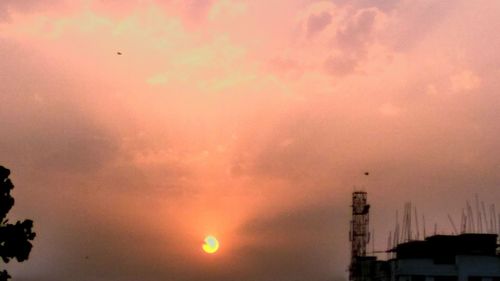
x: 211, y: 244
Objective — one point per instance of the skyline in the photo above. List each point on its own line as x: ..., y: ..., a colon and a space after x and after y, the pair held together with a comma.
x: 134, y: 129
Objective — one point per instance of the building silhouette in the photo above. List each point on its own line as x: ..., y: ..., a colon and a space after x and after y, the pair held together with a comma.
x: 461, y: 257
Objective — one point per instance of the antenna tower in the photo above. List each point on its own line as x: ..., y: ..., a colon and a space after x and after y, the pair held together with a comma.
x: 359, y: 235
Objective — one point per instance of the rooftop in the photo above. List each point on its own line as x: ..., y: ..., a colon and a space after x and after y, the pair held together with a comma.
x: 438, y: 246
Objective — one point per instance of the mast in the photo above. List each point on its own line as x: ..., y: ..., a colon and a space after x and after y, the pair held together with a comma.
x: 359, y: 235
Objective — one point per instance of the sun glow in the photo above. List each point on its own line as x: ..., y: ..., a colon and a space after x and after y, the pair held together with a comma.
x: 211, y: 245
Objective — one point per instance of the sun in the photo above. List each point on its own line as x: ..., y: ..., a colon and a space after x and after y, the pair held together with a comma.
x: 211, y: 245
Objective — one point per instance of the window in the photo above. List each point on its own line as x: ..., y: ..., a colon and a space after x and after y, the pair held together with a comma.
x: 444, y: 259
x: 418, y: 278
x: 445, y: 278
x: 474, y: 278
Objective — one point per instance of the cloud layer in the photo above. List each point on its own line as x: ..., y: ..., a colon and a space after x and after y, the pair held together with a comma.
x: 248, y: 120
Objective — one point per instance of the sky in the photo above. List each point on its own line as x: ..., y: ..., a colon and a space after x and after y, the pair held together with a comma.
x: 252, y: 121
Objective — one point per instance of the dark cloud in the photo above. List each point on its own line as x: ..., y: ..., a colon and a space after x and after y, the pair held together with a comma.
x: 314, y: 148
x: 351, y: 39
x: 25, y: 6
x: 296, y: 244
x: 356, y: 32
x: 385, y: 5
x: 301, y: 243
x: 331, y: 142
x: 341, y: 65
x: 44, y: 123
x: 115, y: 245
x: 415, y: 21
x: 317, y: 22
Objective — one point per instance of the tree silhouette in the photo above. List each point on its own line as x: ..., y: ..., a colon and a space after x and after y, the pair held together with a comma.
x: 14, y: 238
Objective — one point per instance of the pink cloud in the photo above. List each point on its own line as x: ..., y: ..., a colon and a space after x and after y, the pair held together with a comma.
x: 244, y: 124
x: 317, y: 22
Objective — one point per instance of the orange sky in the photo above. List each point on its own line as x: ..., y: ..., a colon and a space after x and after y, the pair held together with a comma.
x: 248, y: 120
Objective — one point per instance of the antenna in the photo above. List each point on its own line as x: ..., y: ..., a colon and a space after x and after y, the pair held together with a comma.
x: 403, y: 225
x: 463, y: 221
x: 373, y: 240
x: 423, y: 223
x: 492, y: 219
x: 485, y: 218
x: 389, y: 241
x: 416, y: 223
x: 478, y: 215
x: 396, y: 231
x: 397, y: 237
x: 495, y: 225
x: 409, y: 221
x: 470, y: 218
x: 406, y: 232
x: 453, y: 225
x: 359, y: 235
x: 498, y: 225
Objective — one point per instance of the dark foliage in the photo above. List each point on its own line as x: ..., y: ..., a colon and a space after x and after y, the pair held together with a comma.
x: 14, y: 238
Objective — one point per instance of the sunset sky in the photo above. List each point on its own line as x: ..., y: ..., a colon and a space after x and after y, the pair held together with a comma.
x: 250, y: 120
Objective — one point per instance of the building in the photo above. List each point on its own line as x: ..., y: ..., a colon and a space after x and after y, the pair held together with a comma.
x: 464, y: 257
